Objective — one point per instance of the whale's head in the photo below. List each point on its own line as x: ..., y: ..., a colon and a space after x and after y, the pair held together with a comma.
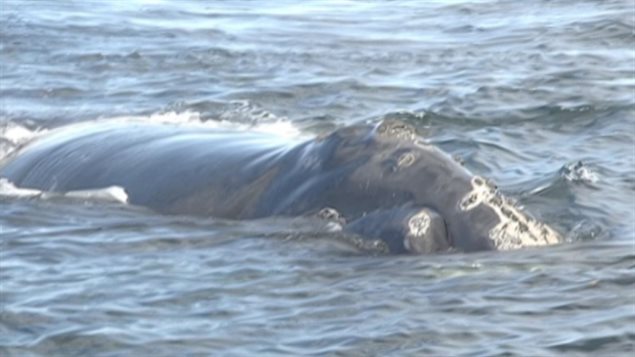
x: 388, y: 165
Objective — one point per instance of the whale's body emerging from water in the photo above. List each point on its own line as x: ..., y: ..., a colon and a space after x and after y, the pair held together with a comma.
x: 381, y: 181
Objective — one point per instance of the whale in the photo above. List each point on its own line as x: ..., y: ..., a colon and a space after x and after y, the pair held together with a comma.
x: 379, y: 181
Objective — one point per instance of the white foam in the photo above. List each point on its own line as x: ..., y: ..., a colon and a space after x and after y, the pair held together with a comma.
x: 579, y: 172
x: 8, y: 189
x: 115, y: 194
x: 259, y: 121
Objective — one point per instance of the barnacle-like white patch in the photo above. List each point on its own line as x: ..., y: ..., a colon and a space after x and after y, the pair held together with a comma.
x: 397, y: 129
x: 425, y: 144
x: 406, y: 160
x: 419, y: 223
x: 515, y: 229
x: 418, y: 226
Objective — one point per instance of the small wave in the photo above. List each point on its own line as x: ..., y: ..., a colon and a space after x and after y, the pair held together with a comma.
x: 562, y: 180
x: 586, y: 230
x: 603, y: 29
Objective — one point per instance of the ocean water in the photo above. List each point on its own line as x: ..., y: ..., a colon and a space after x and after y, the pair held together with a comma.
x: 538, y: 96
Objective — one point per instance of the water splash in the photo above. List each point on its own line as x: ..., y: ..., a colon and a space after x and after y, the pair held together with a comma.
x: 13, y: 136
x: 579, y: 173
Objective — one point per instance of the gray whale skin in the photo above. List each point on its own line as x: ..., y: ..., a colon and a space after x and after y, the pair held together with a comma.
x: 381, y: 181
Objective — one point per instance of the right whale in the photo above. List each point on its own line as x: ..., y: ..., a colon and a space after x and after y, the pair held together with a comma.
x: 379, y: 181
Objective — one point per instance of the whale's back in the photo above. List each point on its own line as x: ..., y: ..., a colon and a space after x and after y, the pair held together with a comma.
x: 156, y: 164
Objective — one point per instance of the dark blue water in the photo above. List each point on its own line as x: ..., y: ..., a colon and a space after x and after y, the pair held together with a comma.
x: 539, y: 96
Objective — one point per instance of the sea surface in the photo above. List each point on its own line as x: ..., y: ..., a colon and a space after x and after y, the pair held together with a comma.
x: 537, y: 95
